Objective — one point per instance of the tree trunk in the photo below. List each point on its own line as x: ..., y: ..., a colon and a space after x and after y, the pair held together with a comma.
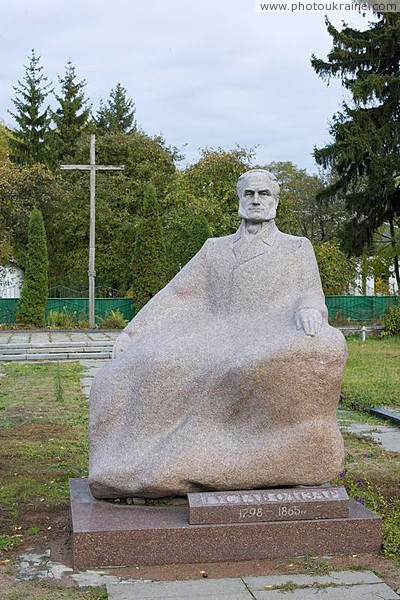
x: 364, y: 274
x: 395, y: 257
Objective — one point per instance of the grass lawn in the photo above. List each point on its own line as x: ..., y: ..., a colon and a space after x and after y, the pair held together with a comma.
x: 372, y: 373
x: 43, y: 442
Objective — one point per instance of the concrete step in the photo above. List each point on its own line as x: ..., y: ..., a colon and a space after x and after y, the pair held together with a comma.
x: 54, y: 356
x: 384, y: 413
x: 55, y: 349
x: 72, y: 344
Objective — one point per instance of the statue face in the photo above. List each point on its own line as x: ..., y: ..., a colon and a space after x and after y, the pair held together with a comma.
x: 257, y: 201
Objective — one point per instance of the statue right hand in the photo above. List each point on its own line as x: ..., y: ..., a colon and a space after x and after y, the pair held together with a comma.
x: 122, y: 342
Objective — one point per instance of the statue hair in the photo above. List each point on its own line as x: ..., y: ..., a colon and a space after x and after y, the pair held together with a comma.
x: 243, y: 178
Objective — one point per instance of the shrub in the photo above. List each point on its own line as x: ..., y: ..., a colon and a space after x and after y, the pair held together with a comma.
x: 113, y: 319
x: 67, y: 320
x: 149, y: 264
x: 60, y: 319
x: 32, y: 305
x: 392, y: 321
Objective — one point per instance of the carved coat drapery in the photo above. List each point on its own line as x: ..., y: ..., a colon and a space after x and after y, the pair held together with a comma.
x: 217, y: 388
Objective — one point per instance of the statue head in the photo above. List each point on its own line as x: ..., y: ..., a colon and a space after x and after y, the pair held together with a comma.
x: 258, y: 192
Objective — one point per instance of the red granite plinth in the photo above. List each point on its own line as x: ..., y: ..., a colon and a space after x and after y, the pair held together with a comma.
x: 110, y: 535
x: 292, y: 504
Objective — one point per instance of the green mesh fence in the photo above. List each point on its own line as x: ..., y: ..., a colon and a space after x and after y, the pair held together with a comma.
x: 8, y: 308
x: 342, y: 309
x: 78, y: 307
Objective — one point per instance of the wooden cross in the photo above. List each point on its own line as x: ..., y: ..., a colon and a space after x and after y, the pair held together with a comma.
x: 92, y: 167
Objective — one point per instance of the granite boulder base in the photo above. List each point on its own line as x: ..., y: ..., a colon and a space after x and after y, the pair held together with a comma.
x: 229, y: 377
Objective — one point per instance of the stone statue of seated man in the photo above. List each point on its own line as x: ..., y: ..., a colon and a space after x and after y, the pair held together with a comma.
x: 229, y: 377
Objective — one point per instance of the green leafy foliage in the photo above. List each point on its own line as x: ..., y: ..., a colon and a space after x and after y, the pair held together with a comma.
x: 64, y: 319
x: 302, y: 210
x: 21, y: 189
x: 376, y: 497
x: 5, y: 136
x: 8, y: 541
x: 149, y: 260
x: 199, y: 233
x: 113, y: 319
x: 337, y: 271
x: 392, y: 321
x: 206, y: 189
x: 30, y: 141
x: 119, y: 196
x: 32, y: 305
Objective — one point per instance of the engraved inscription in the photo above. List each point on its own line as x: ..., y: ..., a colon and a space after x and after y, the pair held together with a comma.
x: 270, y: 496
x: 291, y: 511
x: 289, y: 504
x: 262, y: 513
x: 252, y: 512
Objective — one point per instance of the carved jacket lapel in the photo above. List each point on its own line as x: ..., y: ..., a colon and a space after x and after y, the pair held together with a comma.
x: 246, y: 249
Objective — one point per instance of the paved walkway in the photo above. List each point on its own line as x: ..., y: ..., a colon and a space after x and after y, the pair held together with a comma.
x: 336, y: 586
x: 381, y: 433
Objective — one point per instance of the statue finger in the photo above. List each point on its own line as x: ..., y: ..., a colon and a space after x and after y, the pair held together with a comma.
x: 306, y: 324
x: 311, y: 326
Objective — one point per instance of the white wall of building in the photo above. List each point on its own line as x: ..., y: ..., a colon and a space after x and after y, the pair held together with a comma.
x: 356, y: 288
x: 11, y: 278
x: 393, y: 287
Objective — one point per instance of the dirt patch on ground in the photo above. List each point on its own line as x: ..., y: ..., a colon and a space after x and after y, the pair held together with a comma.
x: 38, y: 432
x: 384, y: 567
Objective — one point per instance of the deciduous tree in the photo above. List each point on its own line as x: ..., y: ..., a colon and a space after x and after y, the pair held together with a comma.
x: 21, y: 189
x: 149, y: 260
x: 5, y: 137
x: 337, y: 270
x: 119, y: 200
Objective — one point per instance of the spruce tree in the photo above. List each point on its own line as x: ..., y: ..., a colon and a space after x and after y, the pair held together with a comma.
x: 117, y: 114
x: 30, y: 141
x: 199, y: 233
x: 149, y: 258
x: 364, y: 153
x: 32, y: 304
x: 72, y: 116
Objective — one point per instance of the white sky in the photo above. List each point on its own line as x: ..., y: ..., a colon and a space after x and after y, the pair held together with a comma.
x: 202, y: 72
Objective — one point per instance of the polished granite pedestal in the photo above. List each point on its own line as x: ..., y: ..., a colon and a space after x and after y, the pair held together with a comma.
x: 106, y: 534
